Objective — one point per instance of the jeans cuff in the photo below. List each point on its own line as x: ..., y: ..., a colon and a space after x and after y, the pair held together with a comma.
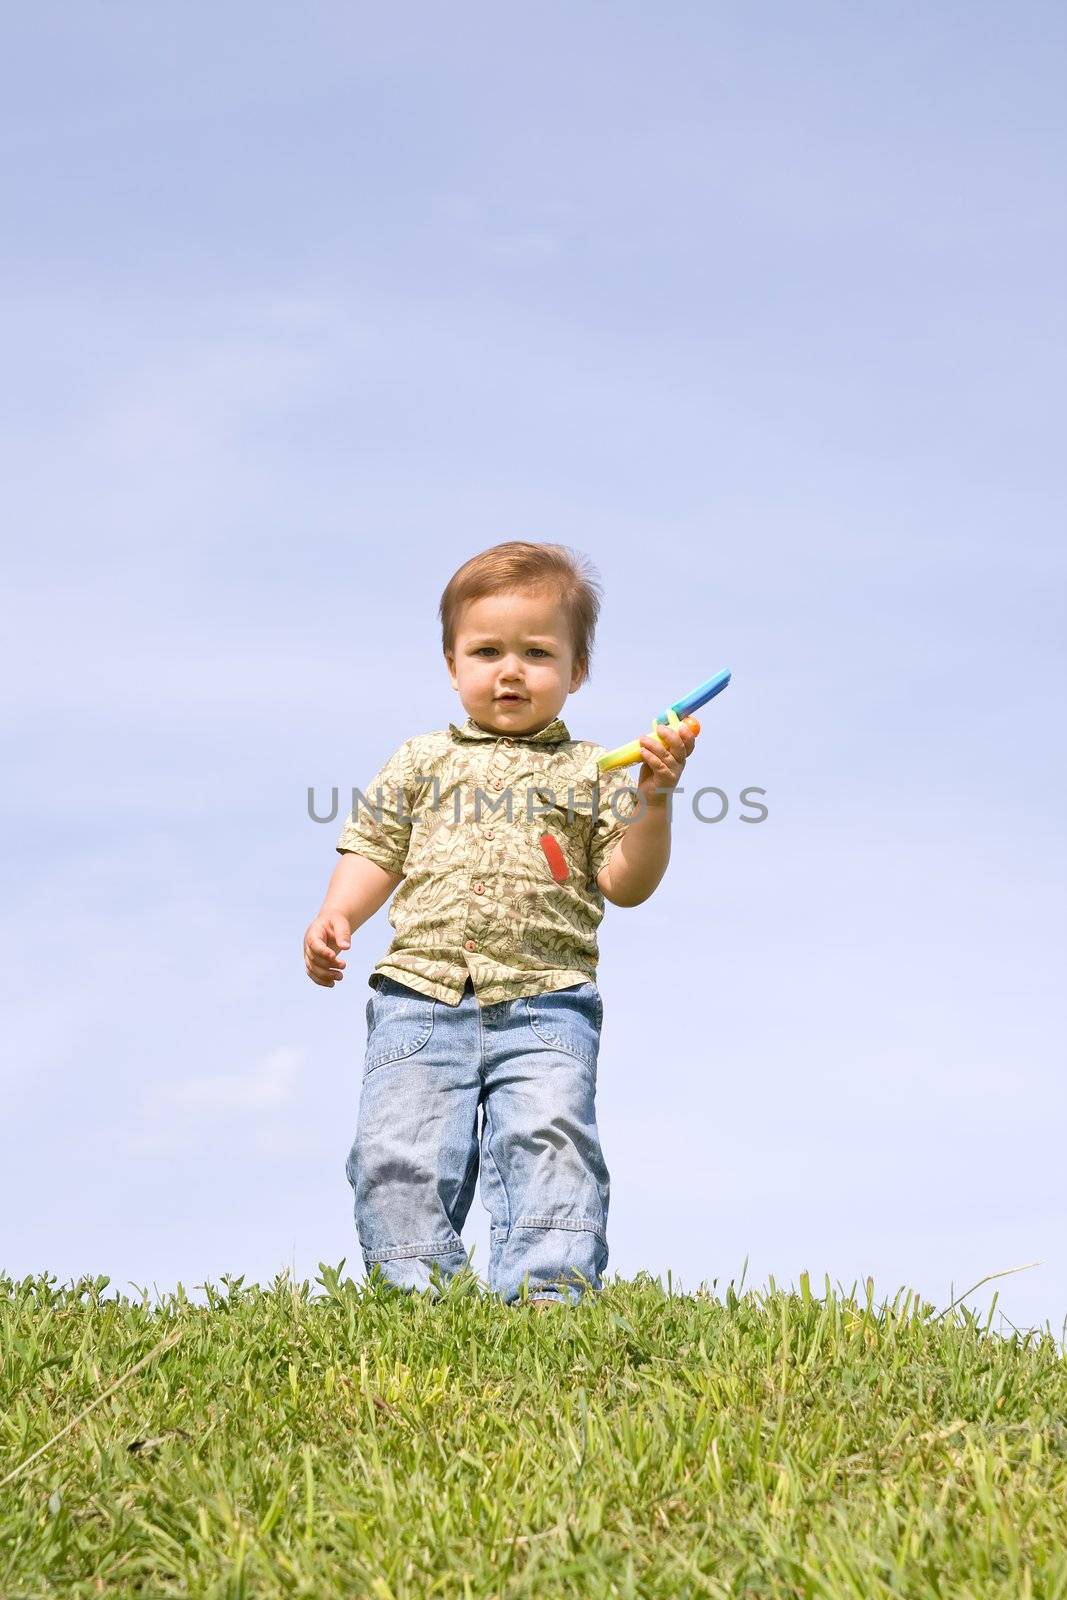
x: 431, y: 1247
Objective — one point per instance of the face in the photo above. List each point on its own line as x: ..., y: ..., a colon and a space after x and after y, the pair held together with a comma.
x: 517, y: 644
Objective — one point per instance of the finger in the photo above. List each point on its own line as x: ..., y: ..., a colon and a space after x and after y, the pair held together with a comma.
x: 659, y: 748
x: 679, y: 742
x: 320, y: 963
x: 662, y: 777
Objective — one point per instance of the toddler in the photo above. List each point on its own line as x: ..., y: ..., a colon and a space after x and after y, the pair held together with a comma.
x: 503, y: 841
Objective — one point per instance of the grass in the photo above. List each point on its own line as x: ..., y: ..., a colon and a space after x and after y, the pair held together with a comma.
x: 342, y: 1439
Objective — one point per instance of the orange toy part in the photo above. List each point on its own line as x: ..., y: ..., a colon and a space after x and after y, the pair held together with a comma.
x: 691, y: 723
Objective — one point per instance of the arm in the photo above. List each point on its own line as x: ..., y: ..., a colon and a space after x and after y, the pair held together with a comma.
x: 640, y: 858
x: 373, y: 849
x: 636, y: 865
x: 357, y: 889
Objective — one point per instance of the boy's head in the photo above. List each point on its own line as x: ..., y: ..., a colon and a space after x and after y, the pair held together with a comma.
x: 519, y: 619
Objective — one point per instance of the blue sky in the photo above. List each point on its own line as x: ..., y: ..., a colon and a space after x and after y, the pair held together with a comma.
x: 760, y: 308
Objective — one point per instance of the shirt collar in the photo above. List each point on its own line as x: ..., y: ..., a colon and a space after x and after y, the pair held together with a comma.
x: 555, y: 733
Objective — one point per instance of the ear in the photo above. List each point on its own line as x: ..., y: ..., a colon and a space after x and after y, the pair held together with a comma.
x: 450, y: 663
x: 578, y: 677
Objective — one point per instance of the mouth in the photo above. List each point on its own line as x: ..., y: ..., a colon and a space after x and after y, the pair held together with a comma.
x: 510, y: 700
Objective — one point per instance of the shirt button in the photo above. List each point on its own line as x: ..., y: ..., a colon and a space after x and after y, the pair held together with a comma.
x: 509, y: 741
x: 470, y: 945
x: 479, y: 888
x: 489, y: 833
x: 498, y: 783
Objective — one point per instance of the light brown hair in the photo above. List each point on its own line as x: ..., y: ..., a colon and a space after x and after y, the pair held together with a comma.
x: 520, y: 565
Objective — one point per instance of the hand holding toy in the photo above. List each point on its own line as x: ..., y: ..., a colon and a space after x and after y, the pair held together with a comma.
x: 626, y: 755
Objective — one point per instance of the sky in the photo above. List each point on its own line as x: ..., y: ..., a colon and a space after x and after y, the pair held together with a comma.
x: 761, y: 309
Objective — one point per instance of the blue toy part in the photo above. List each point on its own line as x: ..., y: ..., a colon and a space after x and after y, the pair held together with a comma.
x: 697, y: 697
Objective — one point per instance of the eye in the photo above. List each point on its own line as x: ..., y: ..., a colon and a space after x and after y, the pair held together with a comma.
x: 535, y: 649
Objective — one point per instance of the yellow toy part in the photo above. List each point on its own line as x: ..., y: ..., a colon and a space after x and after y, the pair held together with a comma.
x: 627, y: 754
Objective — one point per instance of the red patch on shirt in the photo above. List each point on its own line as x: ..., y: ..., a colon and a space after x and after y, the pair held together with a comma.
x: 554, y: 857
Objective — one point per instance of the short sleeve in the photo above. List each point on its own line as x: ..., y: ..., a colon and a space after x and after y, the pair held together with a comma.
x: 616, y: 801
x: 379, y: 825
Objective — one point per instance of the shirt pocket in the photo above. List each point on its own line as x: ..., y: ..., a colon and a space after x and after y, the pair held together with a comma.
x: 438, y: 844
x: 559, y: 843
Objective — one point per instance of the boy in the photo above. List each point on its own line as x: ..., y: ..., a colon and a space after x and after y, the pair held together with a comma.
x: 505, y: 842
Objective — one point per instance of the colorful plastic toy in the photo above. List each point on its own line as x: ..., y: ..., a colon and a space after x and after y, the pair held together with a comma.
x: 627, y: 754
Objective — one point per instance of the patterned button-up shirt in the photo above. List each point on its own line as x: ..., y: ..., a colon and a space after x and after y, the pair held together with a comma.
x: 499, y: 839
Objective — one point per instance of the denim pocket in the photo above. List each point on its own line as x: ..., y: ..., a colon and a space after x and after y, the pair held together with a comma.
x: 569, y: 1020
x: 399, y: 1022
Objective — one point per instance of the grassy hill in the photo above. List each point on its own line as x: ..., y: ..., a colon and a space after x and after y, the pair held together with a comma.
x: 340, y: 1439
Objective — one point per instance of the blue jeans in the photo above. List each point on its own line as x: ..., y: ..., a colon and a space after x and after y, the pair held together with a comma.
x: 530, y: 1065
